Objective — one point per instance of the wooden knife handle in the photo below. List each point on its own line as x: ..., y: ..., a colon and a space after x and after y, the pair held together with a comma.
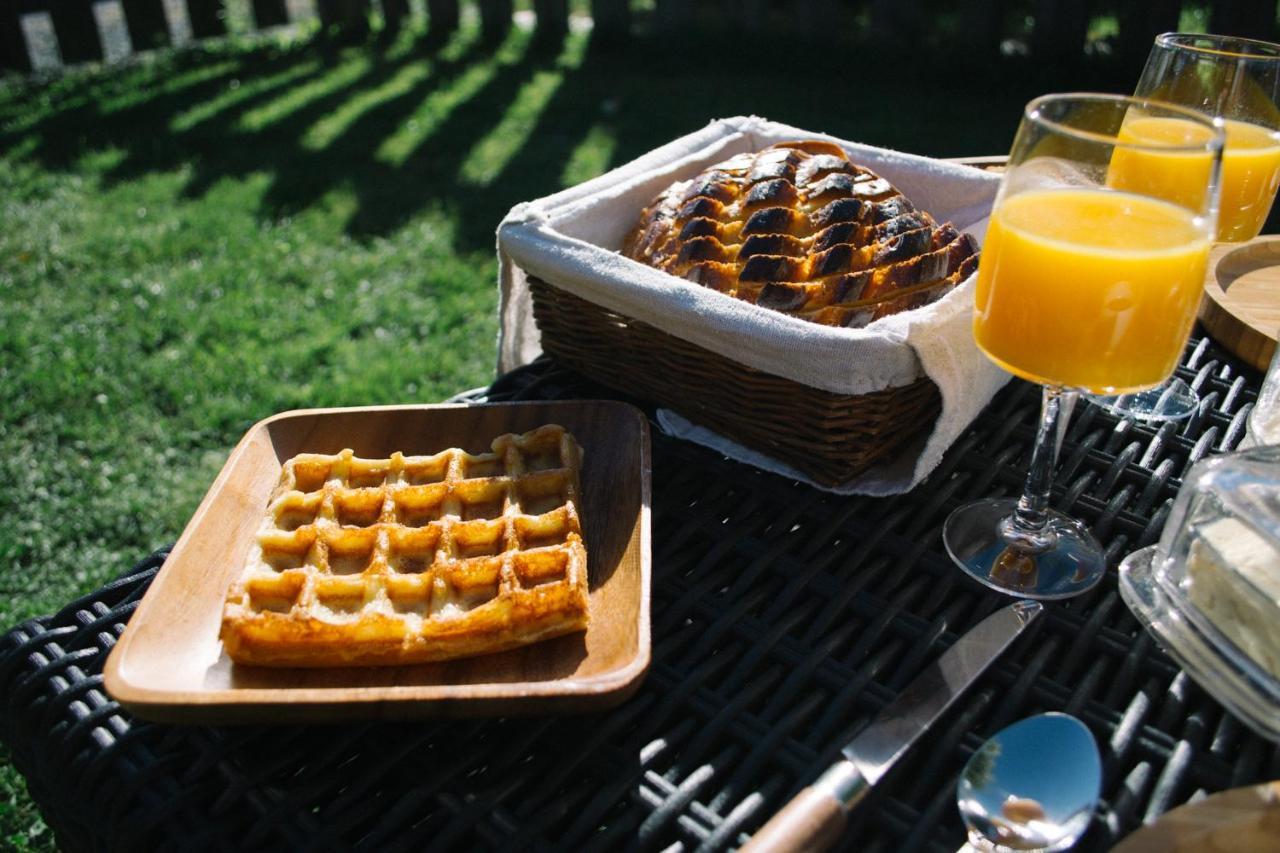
x: 815, y: 817
x: 813, y: 820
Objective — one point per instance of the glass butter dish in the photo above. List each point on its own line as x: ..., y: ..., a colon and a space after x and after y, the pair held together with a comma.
x: 1210, y: 590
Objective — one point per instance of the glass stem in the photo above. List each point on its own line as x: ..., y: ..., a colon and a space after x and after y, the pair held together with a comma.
x: 1028, y: 528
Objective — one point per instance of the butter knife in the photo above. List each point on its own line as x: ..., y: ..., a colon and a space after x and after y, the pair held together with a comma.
x: 815, y: 818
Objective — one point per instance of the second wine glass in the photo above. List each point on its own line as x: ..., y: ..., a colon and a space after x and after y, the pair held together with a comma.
x: 1238, y: 80
x: 1088, y: 280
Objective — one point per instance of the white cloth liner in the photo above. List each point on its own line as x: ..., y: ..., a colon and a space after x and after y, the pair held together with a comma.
x: 571, y: 239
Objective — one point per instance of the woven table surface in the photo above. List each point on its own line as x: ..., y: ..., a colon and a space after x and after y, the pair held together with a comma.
x: 784, y: 618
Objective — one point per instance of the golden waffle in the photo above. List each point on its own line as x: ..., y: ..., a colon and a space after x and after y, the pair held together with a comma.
x: 414, y: 558
x: 800, y: 229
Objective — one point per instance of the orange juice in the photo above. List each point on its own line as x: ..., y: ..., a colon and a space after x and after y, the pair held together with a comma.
x: 1089, y: 288
x: 1250, y: 169
x: 1250, y: 175
x: 1180, y: 176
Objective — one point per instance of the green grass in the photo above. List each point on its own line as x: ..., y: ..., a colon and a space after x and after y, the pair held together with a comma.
x: 195, y: 241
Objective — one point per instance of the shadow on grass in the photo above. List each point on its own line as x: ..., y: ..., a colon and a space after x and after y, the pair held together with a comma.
x: 474, y: 128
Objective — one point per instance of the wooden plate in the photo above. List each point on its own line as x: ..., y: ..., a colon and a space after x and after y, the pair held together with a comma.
x: 1241, y: 305
x: 1242, y: 820
x: 169, y: 664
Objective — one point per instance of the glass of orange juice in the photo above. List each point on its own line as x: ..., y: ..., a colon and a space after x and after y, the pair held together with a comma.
x: 1238, y: 80
x: 1086, y: 283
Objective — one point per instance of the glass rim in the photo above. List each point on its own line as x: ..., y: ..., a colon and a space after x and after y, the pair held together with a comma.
x: 1235, y: 47
x: 1217, y: 139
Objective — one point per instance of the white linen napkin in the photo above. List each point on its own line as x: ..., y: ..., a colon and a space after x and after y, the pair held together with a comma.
x: 571, y: 239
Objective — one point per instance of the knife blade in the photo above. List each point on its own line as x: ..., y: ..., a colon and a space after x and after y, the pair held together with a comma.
x: 816, y: 816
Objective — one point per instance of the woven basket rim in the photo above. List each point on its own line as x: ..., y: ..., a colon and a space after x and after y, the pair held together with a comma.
x: 836, y: 436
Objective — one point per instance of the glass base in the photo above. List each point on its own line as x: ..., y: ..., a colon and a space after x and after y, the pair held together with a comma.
x: 1071, y: 562
x: 1171, y: 401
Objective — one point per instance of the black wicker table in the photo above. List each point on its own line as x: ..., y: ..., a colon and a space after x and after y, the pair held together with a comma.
x: 783, y: 619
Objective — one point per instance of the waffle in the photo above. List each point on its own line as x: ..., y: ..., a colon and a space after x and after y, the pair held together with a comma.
x: 414, y: 558
x: 800, y: 229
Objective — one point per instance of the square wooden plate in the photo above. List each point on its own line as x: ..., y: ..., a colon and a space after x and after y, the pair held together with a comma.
x: 169, y: 664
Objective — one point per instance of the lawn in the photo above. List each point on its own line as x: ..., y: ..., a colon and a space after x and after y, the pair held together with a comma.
x: 197, y: 240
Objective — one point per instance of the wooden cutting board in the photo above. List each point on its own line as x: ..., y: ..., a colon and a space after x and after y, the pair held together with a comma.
x: 1241, y: 305
x: 1242, y: 820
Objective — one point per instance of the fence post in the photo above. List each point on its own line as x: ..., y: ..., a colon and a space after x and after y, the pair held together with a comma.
x: 1249, y: 18
x: 13, y: 43
x: 269, y: 13
x: 207, y: 18
x: 77, y: 31
x: 145, y: 19
x: 495, y: 19
x: 612, y: 20
x: 1060, y: 30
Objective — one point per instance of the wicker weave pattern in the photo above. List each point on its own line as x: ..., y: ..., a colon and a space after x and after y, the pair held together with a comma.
x: 784, y: 619
x: 831, y: 437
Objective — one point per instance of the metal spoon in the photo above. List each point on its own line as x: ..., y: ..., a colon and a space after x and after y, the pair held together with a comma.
x: 1032, y: 786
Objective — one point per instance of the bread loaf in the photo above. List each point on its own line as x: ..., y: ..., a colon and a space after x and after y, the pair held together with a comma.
x: 799, y: 228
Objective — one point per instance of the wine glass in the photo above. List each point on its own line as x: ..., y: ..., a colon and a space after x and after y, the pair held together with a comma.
x: 1239, y: 80
x: 1088, y: 280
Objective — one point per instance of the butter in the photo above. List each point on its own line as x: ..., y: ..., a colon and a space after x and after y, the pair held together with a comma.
x: 1233, y: 577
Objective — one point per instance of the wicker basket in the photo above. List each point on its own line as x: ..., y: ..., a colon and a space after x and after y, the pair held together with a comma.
x: 830, y: 437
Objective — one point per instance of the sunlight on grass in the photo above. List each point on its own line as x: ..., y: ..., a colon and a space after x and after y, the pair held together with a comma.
x: 167, y: 87
x: 327, y: 129
x: 418, y: 128
x: 144, y: 333
x: 490, y: 155
x: 101, y: 160
x: 295, y: 99
x: 25, y: 148
x: 41, y: 109
x: 72, y: 92
x: 437, y: 106
x: 38, y: 112
x: 405, y: 45
x: 591, y: 157
x: 238, y: 92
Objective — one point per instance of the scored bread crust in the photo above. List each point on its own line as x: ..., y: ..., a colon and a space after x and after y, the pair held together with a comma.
x: 413, y: 559
x: 799, y: 228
